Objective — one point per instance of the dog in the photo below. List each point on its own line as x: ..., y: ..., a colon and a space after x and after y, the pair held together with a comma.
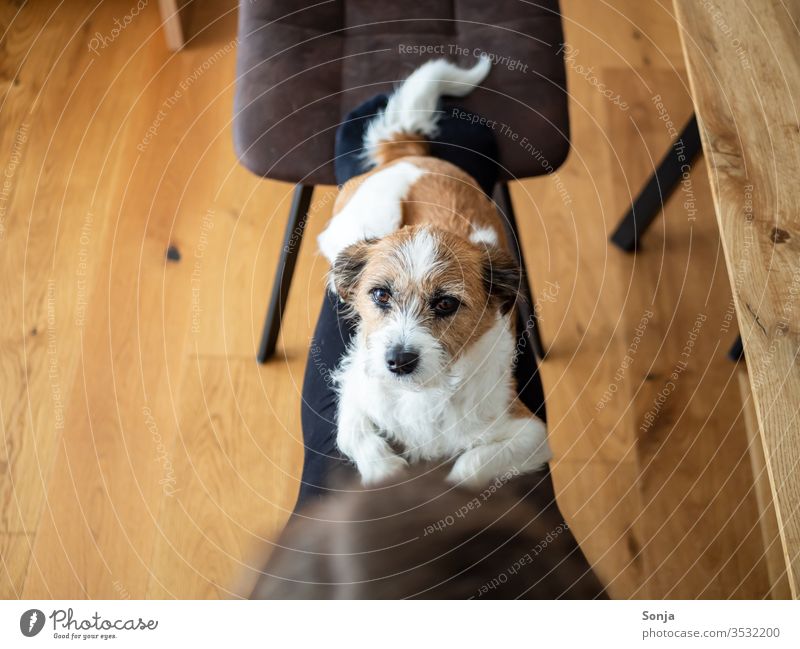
x: 419, y: 257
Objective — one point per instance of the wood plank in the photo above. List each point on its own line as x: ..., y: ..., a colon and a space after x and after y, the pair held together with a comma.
x: 41, y: 244
x: 745, y: 79
x: 767, y: 521
x: 15, y: 550
x: 602, y: 506
x: 699, y: 516
x: 237, y: 467
x: 595, y: 472
x: 171, y: 24
x: 110, y: 468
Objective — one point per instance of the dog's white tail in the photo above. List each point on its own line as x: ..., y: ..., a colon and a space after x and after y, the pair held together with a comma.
x: 410, y: 116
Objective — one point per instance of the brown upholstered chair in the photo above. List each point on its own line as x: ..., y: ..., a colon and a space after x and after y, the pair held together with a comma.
x: 303, y: 65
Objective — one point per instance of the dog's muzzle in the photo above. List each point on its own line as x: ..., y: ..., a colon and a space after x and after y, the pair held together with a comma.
x: 401, y: 360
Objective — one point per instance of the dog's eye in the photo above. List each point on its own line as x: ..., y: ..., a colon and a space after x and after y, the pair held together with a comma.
x: 381, y: 297
x: 445, y: 305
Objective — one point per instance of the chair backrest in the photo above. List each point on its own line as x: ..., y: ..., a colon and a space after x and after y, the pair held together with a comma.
x: 301, y: 70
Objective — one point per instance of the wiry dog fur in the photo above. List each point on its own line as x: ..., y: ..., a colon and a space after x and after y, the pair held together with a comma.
x: 419, y: 257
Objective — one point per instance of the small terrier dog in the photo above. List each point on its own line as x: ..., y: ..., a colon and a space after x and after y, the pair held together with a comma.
x: 419, y: 256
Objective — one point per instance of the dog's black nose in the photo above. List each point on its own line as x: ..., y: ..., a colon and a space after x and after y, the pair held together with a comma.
x: 400, y: 360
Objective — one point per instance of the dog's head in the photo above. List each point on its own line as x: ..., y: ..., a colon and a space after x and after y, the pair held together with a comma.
x: 423, y: 297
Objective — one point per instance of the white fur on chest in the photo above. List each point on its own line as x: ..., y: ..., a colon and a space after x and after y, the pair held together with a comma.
x: 452, y: 413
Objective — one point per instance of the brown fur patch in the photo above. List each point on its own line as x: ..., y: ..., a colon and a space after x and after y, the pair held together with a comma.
x: 445, y: 197
x: 400, y: 145
x: 449, y: 198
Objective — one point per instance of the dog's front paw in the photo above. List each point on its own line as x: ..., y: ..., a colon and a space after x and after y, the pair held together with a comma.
x: 468, y: 470
x: 381, y: 469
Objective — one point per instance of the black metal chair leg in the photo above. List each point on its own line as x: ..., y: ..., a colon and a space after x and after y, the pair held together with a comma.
x: 658, y: 189
x: 736, y: 352
x: 526, y: 309
x: 295, y: 225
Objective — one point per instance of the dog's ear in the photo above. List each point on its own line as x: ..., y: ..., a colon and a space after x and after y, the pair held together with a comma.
x: 502, y: 278
x: 347, y: 269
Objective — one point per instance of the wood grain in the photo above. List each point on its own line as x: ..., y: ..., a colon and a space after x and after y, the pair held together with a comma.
x: 767, y: 521
x: 171, y: 24
x: 168, y: 463
x: 691, y: 446
x: 744, y: 67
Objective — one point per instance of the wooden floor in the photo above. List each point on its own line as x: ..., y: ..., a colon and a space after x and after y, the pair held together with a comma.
x: 145, y: 454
